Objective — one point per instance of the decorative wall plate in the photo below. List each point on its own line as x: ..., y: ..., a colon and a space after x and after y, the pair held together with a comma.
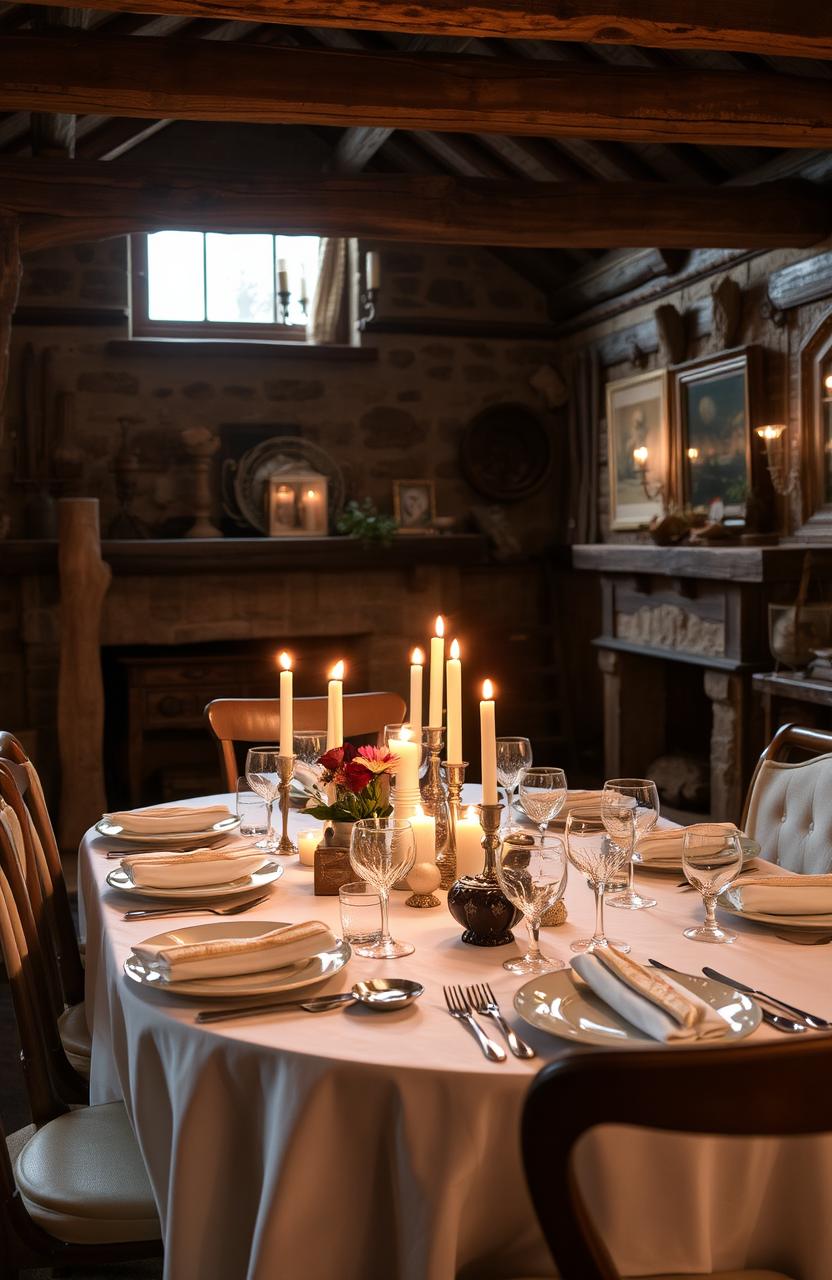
x: 245, y: 483
x: 506, y: 452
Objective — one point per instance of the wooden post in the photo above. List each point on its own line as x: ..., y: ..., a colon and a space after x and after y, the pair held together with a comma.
x: 84, y: 581
x: 10, y: 271
x: 725, y: 690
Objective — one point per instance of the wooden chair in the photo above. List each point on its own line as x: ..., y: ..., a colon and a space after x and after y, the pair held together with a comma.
x: 250, y: 721
x: 788, y: 808
x: 768, y: 1090
x: 73, y: 1187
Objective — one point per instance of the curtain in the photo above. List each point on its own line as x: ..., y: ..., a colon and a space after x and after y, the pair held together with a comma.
x: 328, y: 321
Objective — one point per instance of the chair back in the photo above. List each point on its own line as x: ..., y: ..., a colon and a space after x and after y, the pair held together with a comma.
x: 59, y: 913
x: 788, y: 809
x: 249, y: 721
x: 772, y: 1090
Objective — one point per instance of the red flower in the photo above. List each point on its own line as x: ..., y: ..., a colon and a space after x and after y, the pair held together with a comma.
x: 356, y: 776
x: 334, y: 758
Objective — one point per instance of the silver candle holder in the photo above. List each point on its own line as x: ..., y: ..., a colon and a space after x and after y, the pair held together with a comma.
x: 434, y: 795
x: 454, y: 781
x: 286, y: 769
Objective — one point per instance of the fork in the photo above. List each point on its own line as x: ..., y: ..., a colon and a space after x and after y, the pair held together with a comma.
x: 483, y: 1001
x: 233, y: 909
x: 458, y: 1008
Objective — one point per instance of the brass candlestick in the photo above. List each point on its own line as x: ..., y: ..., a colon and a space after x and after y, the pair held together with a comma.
x: 478, y: 902
x: 454, y: 780
x: 286, y: 768
x: 434, y: 795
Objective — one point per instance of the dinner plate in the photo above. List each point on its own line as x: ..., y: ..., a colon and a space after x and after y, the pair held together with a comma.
x: 668, y: 866
x: 267, y: 874
x: 208, y: 834
x: 563, y: 1005
x: 729, y: 901
x: 305, y: 973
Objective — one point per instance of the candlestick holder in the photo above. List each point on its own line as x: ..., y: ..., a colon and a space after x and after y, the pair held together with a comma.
x: 285, y: 296
x: 478, y: 902
x: 367, y: 304
x: 434, y: 795
x: 286, y: 768
x: 446, y: 860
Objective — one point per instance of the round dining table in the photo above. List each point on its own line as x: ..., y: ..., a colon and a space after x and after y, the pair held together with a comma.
x: 359, y: 1145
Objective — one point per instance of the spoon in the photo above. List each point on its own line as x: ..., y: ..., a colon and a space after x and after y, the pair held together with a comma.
x: 376, y: 993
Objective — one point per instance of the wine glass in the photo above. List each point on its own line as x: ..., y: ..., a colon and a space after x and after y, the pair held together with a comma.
x: 592, y: 852
x: 309, y: 745
x: 263, y: 776
x: 382, y: 852
x: 513, y: 756
x: 711, y: 859
x: 532, y: 874
x: 543, y: 794
x: 645, y: 797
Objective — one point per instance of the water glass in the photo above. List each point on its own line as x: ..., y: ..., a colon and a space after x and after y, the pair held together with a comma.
x: 309, y: 745
x: 711, y: 859
x: 514, y: 755
x: 263, y: 776
x: 251, y: 810
x: 360, y: 914
x: 383, y: 851
x: 644, y: 796
x: 592, y: 852
x: 532, y: 874
x: 543, y: 794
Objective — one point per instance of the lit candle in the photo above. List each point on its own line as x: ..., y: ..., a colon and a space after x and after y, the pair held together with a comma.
x: 424, y: 832
x: 417, y: 662
x: 308, y: 842
x: 335, y: 707
x: 641, y: 454
x: 312, y: 511
x: 488, y: 744
x: 437, y: 663
x: 373, y: 270
x: 453, y: 671
x: 408, y: 754
x: 469, y: 853
x: 287, y: 727
x: 282, y: 276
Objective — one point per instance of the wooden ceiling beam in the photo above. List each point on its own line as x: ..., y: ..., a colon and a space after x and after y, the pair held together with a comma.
x: 776, y: 27
x: 433, y: 210
x: 207, y: 80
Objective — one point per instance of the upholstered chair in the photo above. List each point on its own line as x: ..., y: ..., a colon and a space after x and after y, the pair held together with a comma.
x: 789, y: 805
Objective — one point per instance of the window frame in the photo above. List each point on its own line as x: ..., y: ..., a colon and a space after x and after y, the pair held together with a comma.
x: 142, y: 326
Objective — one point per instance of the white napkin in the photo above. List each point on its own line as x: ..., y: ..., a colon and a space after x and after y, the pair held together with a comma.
x: 651, y: 1001
x: 226, y: 957
x: 168, y: 819
x: 306, y: 774
x: 191, y: 870
x: 575, y: 799
x: 786, y: 894
x: 666, y: 845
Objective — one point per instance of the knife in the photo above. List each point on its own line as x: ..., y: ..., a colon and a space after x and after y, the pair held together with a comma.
x: 776, y: 1020
x: 315, y: 1004
x: 820, y: 1024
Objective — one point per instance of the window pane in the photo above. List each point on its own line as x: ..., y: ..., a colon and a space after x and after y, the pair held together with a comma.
x: 240, y: 278
x: 175, y: 286
x: 300, y: 254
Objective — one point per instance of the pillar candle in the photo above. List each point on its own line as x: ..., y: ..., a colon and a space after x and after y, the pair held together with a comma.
x: 308, y: 842
x: 287, y: 727
x: 453, y: 672
x: 408, y: 754
x: 311, y: 510
x: 417, y: 662
x: 424, y: 833
x: 373, y: 269
x: 488, y: 744
x: 437, y: 662
x: 469, y: 852
x: 335, y: 708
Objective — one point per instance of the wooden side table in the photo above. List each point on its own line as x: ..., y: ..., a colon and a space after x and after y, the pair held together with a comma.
x: 776, y: 687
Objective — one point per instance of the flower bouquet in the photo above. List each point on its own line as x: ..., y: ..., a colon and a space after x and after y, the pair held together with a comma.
x: 358, y: 777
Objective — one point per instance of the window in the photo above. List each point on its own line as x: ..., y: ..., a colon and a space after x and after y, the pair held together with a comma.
x: 212, y: 284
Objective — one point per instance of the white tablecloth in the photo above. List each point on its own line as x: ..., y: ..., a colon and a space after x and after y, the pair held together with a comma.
x: 384, y: 1147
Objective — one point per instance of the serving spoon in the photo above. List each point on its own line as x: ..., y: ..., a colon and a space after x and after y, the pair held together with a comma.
x: 380, y: 994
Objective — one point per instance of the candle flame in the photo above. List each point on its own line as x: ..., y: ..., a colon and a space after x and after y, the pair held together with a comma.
x: 454, y: 648
x: 285, y: 661
x: 693, y: 453
x: 417, y: 658
x: 310, y: 493
x: 471, y: 811
x: 770, y: 432
x: 827, y: 382
x: 440, y: 626
x: 406, y: 733
x: 337, y: 672
x: 487, y: 691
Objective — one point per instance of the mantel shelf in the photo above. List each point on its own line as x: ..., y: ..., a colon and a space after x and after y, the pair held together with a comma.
x: 780, y: 563
x: 236, y: 555
x: 239, y: 348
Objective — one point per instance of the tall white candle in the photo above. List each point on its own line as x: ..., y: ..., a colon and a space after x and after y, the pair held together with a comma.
x: 488, y: 744
x: 373, y: 269
x: 287, y: 727
x: 424, y: 832
x: 335, y: 708
x: 469, y: 851
x: 437, y: 663
x: 453, y: 672
x: 417, y: 663
x: 282, y: 276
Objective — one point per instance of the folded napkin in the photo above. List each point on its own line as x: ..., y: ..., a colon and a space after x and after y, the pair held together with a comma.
x: 192, y: 870
x: 168, y: 819
x: 666, y: 845
x: 574, y: 799
x: 651, y: 1001
x: 227, y: 957
x: 306, y: 774
x: 786, y: 894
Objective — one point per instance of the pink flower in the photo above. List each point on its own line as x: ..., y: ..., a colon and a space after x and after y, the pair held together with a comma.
x: 375, y: 760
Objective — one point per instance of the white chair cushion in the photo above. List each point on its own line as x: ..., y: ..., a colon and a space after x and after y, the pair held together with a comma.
x: 83, y: 1180
x: 75, y: 1037
x: 790, y: 814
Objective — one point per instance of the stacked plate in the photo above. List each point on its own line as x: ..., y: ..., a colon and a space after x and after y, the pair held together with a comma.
x: 182, y: 826
x: 669, y: 860
x: 786, y: 903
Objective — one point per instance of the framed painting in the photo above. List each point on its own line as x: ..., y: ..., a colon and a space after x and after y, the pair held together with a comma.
x: 414, y: 505
x: 638, y: 448
x: 715, y: 402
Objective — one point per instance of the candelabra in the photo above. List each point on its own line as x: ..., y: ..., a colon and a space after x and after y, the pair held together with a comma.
x: 434, y: 796
x: 478, y: 902
x: 285, y: 298
x: 286, y: 768
x: 446, y: 860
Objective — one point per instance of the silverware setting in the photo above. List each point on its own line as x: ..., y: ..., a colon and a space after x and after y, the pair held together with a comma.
x: 483, y: 1001
x: 818, y: 1023
x: 381, y: 994
x: 315, y: 1004
x: 235, y: 908
x: 788, y: 1025
x: 458, y: 1008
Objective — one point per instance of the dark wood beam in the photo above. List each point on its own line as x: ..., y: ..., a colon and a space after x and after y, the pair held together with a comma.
x: 207, y: 80
x: 53, y: 132
x: 119, y: 197
x: 778, y: 26
x: 356, y: 148
x: 614, y: 274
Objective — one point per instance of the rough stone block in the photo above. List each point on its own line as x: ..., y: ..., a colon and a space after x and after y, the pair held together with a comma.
x: 400, y: 359
x: 199, y: 391
x: 109, y: 382
x: 47, y: 282
x: 455, y: 294
x: 294, y: 389
x: 389, y: 428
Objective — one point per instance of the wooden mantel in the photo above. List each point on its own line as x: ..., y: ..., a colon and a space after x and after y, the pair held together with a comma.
x: 735, y: 564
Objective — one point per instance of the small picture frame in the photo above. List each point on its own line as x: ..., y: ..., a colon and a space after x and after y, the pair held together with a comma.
x: 638, y: 448
x: 414, y: 505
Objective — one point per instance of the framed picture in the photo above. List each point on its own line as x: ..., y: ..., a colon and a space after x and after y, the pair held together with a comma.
x: 414, y: 505
x: 638, y: 448
x: 715, y: 402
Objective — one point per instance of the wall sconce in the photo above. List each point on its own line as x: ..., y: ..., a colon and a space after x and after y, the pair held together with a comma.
x: 641, y: 457
x: 284, y: 293
x: 775, y: 438
x: 372, y: 285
